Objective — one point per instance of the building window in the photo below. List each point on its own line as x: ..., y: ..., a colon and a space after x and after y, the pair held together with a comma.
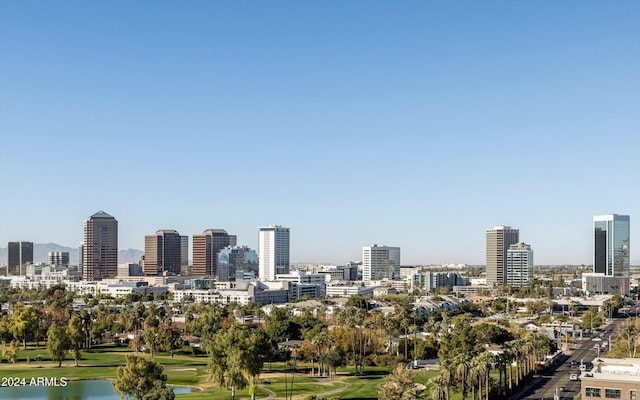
x: 612, y: 393
x: 592, y: 392
x: 632, y: 395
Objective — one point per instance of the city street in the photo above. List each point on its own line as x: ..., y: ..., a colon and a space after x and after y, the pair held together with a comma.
x: 583, y: 351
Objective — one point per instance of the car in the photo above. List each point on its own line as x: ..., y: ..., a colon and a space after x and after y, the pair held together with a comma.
x: 573, y: 377
x: 574, y: 362
x: 563, y: 388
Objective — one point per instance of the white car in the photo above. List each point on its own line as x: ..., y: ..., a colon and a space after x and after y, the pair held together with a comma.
x: 573, y: 377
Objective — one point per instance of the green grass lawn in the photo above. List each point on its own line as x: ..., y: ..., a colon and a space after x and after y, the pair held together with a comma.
x: 102, y: 361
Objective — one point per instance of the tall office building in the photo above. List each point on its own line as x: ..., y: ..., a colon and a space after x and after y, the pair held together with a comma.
x: 206, y: 247
x: 611, y: 234
x: 236, y: 262
x: 81, y: 256
x: 163, y: 253
x: 184, y: 264
x: 380, y: 262
x: 100, y: 251
x: 19, y: 255
x: 499, y: 239
x: 273, y: 252
x: 58, y: 258
x: 519, y: 265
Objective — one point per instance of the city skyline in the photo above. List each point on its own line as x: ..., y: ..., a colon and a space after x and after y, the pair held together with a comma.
x: 416, y: 124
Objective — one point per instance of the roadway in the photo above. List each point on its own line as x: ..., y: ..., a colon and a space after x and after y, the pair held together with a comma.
x: 544, y: 387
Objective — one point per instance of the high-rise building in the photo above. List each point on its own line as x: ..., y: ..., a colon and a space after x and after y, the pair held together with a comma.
x: 611, y: 234
x: 380, y: 262
x: 273, y: 252
x: 163, y: 253
x: 519, y: 265
x: 100, y: 251
x: 236, y: 262
x: 184, y: 264
x: 81, y: 256
x: 58, y: 258
x: 19, y: 255
x: 206, y: 247
x: 499, y: 239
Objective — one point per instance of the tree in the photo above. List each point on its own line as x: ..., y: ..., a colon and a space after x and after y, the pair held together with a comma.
x: 323, y: 342
x: 398, y: 385
x: 357, y: 300
x: 236, y: 357
x: 440, y: 387
x: 75, y: 336
x: 483, y: 363
x: 57, y: 343
x: 537, y: 306
x: 140, y: 377
x: 486, y: 333
x: 628, y: 340
x: 10, y: 352
x: 136, y: 343
x: 160, y: 392
x: 209, y: 319
x: 352, y: 321
x: 151, y: 339
x: 335, y: 358
x: 462, y: 368
x: 591, y: 320
x: 280, y: 326
x: 461, y: 340
x: 307, y: 352
x: 24, y: 323
x: 169, y: 339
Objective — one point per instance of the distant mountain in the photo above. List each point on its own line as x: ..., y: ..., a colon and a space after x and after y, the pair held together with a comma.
x: 129, y: 256
x: 41, y: 253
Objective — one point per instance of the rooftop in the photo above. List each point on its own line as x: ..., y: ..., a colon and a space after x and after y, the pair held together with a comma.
x: 614, y: 369
x: 101, y: 214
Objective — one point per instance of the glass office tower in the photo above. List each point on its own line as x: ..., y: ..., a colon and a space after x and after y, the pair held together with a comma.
x: 611, y: 245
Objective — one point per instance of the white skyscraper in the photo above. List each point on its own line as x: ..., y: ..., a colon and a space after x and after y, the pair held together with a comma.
x: 273, y: 251
x: 380, y: 262
x: 519, y: 265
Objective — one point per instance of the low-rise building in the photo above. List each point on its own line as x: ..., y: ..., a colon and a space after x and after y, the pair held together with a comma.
x: 348, y: 291
x: 255, y: 292
x: 612, y: 378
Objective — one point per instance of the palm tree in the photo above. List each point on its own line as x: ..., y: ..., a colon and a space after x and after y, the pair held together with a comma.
x: 508, y: 356
x: 514, y: 355
x: 447, y: 375
x: 462, y: 366
x: 474, y: 379
x: 323, y: 342
x: 483, y: 365
x: 388, y: 323
x: 440, y: 389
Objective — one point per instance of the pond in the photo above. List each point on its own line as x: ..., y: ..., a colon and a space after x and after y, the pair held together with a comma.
x: 74, y: 390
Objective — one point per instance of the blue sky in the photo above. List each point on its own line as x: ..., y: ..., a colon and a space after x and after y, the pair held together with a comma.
x: 411, y: 124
